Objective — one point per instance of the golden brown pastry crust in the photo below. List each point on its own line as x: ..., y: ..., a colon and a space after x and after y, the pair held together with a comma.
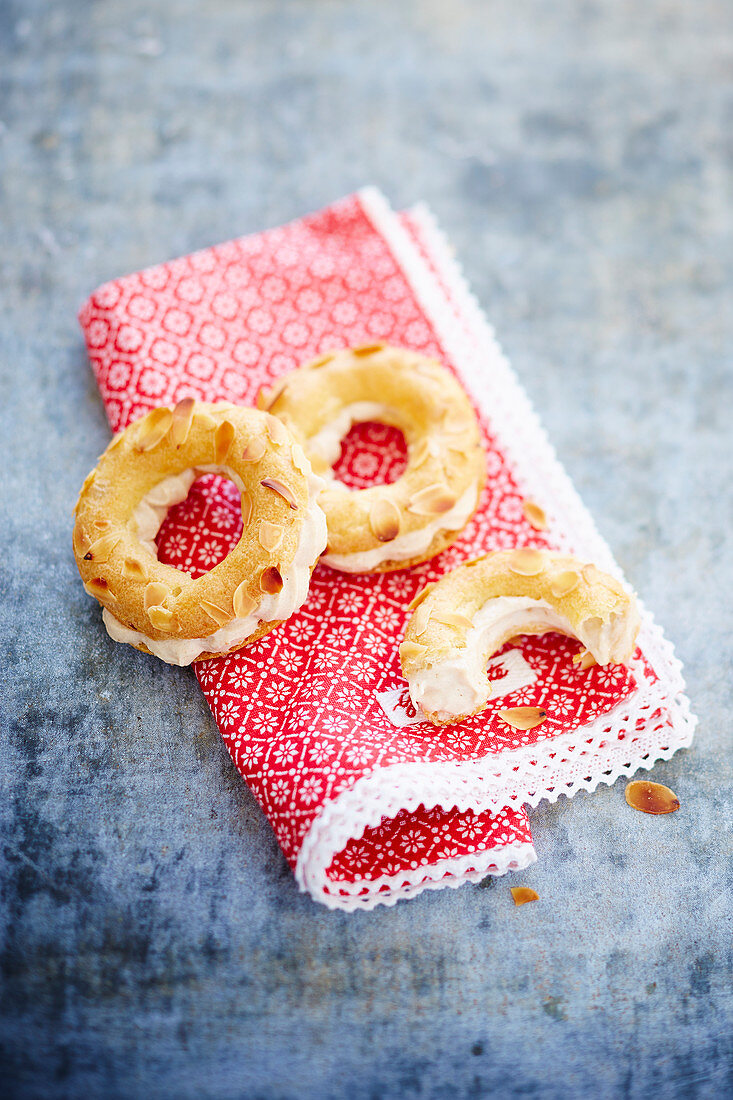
x: 579, y: 592
x: 158, y: 600
x: 445, y: 456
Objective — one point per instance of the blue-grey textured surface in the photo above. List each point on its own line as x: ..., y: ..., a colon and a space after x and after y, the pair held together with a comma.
x: 579, y: 155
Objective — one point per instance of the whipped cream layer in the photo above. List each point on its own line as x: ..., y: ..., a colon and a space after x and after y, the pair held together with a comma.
x: 458, y: 686
x: 610, y: 642
x: 148, y: 517
x: 410, y: 545
x: 326, y: 444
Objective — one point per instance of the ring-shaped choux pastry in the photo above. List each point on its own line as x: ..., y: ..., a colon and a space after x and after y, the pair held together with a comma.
x: 465, y: 617
x: 391, y: 526
x: 151, y: 466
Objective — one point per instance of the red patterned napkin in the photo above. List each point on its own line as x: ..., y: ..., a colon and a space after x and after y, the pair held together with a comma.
x: 369, y: 803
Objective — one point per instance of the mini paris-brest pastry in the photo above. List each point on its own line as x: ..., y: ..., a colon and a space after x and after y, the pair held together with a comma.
x: 386, y: 526
x: 151, y: 466
x: 470, y: 613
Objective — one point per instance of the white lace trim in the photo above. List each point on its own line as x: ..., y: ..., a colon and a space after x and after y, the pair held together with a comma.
x: 382, y: 795
x: 389, y: 889
x: 562, y: 766
x: 599, y: 752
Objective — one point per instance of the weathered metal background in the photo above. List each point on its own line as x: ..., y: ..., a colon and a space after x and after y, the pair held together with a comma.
x: 579, y: 155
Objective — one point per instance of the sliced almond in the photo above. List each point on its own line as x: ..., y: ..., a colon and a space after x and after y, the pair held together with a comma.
x: 535, y: 515
x: 585, y: 659
x: 281, y: 489
x: 163, y: 619
x: 523, y: 894
x: 420, y: 620
x: 243, y: 603
x: 411, y: 650
x: 523, y: 718
x: 270, y: 534
x: 367, y: 349
x: 651, y: 798
x: 426, y: 448
x: 254, y: 450
x: 101, y: 550
x: 266, y: 398
x: 271, y: 580
x: 452, y: 618
x: 526, y: 562
x: 277, y: 431
x: 99, y: 588
x: 418, y: 599
x: 182, y: 420
x: 84, y: 488
x: 81, y: 541
x: 246, y: 505
x: 223, y: 439
x: 153, y: 428
x: 385, y: 519
x: 133, y: 570
x: 458, y: 449
x: 102, y: 524
x: 300, y: 461
x: 564, y: 583
x: 321, y: 360
x: 433, y: 500
x: 420, y: 454
x: 218, y: 614
x: 155, y: 594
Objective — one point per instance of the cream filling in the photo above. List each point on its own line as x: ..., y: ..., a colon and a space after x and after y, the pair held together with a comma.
x: 410, y: 545
x: 153, y: 508
x: 272, y: 608
x: 458, y: 686
x: 326, y: 444
x: 611, y: 642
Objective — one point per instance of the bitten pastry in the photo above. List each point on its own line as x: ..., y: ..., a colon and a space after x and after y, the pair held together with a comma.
x: 151, y: 466
x: 391, y: 526
x: 460, y: 621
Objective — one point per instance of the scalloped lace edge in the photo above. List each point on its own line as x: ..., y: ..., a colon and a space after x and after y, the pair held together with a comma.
x: 600, y: 752
x: 454, y: 872
x: 488, y: 376
x: 464, y: 786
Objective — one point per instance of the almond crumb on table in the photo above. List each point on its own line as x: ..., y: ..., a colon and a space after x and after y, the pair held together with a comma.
x: 651, y: 798
x: 523, y: 894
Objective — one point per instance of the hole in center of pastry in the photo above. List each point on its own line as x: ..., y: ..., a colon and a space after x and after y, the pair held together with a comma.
x: 371, y: 454
x: 198, y: 532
